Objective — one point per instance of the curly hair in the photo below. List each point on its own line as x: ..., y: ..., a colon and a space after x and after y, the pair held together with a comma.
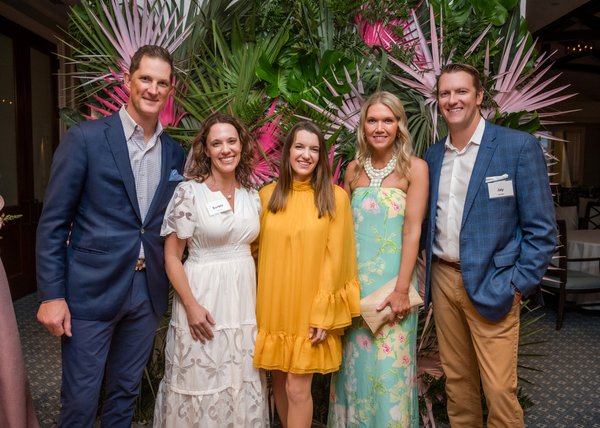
x: 200, y: 169
x: 402, y: 146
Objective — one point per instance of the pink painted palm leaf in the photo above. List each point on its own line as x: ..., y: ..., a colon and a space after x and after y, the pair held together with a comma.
x: 345, y: 115
x: 269, y: 138
x: 518, y: 91
x: 141, y: 23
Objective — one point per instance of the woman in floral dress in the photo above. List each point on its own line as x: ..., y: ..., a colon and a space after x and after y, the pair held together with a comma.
x: 209, y: 379
x: 376, y: 385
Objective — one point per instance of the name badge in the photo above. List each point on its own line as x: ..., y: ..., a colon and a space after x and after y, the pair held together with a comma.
x: 218, y: 206
x: 501, y: 189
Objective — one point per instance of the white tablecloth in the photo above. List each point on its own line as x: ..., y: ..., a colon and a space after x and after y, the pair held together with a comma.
x: 569, y: 215
x: 582, y: 244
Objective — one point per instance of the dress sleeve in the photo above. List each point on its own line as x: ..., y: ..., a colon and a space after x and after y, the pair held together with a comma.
x: 256, y: 200
x: 338, y: 298
x: 181, y: 215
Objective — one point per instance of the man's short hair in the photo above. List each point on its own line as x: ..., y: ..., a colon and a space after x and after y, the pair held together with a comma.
x: 152, y: 51
x: 455, y: 68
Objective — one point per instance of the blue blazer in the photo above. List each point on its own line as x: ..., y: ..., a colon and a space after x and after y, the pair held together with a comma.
x: 90, y: 230
x: 503, y: 241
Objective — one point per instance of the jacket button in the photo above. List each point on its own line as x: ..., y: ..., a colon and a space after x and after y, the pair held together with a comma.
x: 142, y: 231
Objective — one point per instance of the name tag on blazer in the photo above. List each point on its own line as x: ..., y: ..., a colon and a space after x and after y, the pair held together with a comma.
x: 500, y: 189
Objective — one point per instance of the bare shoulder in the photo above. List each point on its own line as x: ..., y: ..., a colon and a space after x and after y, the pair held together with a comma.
x: 350, y: 174
x: 352, y: 164
x: 418, y: 166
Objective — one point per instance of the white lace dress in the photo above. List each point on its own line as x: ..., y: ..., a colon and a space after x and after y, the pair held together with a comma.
x: 214, y: 384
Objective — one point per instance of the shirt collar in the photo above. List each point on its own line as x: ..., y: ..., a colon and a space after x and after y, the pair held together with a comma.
x: 129, y: 125
x: 475, y: 138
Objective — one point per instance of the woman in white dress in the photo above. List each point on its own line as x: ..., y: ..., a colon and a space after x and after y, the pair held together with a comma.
x: 209, y: 377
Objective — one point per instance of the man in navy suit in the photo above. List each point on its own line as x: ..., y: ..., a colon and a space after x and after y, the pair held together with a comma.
x: 100, y: 264
x: 490, y: 235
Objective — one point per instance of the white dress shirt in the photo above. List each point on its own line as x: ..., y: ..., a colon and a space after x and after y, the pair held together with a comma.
x: 145, y: 161
x: 455, y: 175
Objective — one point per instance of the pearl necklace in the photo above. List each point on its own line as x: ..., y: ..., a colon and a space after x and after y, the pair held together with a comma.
x: 378, y: 175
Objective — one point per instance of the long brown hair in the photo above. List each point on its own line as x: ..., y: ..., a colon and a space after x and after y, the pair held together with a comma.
x: 402, y: 144
x: 321, y: 178
x: 200, y: 169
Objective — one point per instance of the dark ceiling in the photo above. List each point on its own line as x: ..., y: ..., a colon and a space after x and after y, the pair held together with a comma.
x: 575, y: 40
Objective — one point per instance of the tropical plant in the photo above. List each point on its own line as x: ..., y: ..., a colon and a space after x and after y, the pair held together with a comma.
x: 514, y: 90
x: 4, y: 218
x: 105, y: 35
x: 274, y: 62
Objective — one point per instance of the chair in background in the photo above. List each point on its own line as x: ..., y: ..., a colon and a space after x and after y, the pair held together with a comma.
x: 569, y: 215
x: 561, y: 281
x: 591, y: 220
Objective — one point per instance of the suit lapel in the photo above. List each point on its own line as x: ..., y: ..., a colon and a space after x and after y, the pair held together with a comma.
x: 436, y: 169
x: 116, y: 140
x: 484, y: 156
x: 165, y: 164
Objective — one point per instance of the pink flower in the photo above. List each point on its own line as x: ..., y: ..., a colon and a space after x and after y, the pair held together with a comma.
x: 370, y: 205
x: 364, y: 341
x: 386, y: 348
x: 405, y: 360
x: 401, y: 338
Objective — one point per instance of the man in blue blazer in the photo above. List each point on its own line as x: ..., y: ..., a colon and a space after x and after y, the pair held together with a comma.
x: 100, y: 264
x: 490, y: 235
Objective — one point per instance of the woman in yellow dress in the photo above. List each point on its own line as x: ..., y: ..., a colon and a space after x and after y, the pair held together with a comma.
x: 307, y: 274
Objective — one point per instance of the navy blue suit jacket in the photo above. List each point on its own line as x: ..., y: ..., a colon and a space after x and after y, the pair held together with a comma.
x: 502, y: 240
x: 90, y: 230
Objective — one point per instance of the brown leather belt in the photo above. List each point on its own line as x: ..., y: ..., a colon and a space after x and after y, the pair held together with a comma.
x: 453, y: 265
x: 140, y: 265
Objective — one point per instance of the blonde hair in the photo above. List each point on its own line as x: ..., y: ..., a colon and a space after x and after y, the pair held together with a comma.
x: 402, y: 144
x: 321, y: 178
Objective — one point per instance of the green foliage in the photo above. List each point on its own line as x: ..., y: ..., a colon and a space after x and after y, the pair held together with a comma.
x: 241, y: 55
x: 462, y: 11
x: 524, y: 121
x: 316, y: 48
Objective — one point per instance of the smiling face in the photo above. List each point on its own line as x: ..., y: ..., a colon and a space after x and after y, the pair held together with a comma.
x: 380, y: 128
x: 459, y: 101
x: 224, y: 148
x: 304, y: 155
x: 149, y: 87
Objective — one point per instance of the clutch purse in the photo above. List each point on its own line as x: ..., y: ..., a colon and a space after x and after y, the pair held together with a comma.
x: 368, y: 304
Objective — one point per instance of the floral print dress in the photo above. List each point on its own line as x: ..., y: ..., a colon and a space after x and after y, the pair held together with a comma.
x: 376, y: 385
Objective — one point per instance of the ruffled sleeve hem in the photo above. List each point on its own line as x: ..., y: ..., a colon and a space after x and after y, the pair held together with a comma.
x: 331, y: 311
x: 296, y: 354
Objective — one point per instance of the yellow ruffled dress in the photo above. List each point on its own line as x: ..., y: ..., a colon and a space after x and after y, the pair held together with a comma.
x: 307, y: 277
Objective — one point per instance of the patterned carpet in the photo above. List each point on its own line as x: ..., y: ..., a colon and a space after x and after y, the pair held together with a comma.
x: 566, y: 392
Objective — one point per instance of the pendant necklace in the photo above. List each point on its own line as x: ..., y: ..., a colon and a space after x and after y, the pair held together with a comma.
x: 229, y: 194
x: 378, y: 175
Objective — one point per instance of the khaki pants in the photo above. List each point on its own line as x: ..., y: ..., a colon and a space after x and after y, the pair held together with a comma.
x: 475, y: 351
